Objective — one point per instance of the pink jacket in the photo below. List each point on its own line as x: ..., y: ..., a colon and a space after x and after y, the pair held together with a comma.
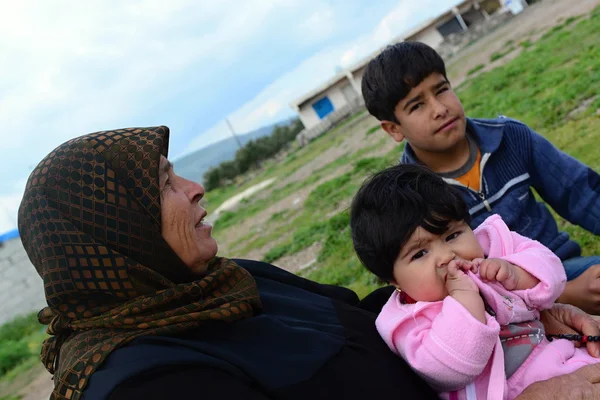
x: 458, y: 355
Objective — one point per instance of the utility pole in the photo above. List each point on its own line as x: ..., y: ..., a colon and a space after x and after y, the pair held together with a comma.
x: 233, y: 133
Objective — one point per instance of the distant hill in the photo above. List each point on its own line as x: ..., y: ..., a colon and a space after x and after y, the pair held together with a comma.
x: 194, y: 165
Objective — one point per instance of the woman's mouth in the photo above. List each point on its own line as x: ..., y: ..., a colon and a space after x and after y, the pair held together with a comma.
x: 201, y: 224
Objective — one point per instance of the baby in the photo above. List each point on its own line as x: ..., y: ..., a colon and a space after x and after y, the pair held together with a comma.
x: 465, y: 314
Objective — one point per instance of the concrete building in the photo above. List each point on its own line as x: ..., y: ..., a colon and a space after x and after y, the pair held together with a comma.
x: 21, y: 288
x: 456, y: 20
x: 339, y: 93
x: 334, y: 99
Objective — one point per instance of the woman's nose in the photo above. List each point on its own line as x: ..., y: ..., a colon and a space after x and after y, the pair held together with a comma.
x: 195, y: 191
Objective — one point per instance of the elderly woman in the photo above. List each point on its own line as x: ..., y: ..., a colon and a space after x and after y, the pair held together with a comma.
x: 139, y: 306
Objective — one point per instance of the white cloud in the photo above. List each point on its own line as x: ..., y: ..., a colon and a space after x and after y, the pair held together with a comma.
x: 9, y: 205
x: 319, y: 25
x: 70, y: 67
x: 8, y: 211
x: 53, y: 53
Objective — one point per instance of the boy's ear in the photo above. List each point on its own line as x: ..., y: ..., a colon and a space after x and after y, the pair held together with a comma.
x: 393, y: 129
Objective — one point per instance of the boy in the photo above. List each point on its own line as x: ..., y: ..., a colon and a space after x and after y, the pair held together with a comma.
x: 493, y: 163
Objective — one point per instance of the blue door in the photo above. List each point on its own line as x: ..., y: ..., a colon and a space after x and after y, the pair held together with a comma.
x: 323, y: 107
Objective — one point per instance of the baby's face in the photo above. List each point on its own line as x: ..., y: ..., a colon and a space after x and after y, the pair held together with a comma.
x: 421, y: 267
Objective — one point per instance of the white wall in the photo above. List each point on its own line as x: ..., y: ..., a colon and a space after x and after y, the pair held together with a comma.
x: 337, y: 97
x: 430, y: 37
x: 358, y: 75
x: 307, y: 114
x: 21, y: 288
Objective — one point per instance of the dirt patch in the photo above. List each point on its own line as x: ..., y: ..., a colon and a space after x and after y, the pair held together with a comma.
x: 258, y: 254
x: 233, y: 202
x: 584, y: 105
x: 35, y: 384
x: 354, y: 132
x: 260, y: 222
x: 40, y: 387
x: 301, y: 260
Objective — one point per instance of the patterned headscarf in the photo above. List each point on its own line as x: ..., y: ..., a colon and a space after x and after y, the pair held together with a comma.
x: 90, y: 223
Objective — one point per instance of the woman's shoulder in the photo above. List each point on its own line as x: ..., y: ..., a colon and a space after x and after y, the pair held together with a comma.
x: 264, y: 271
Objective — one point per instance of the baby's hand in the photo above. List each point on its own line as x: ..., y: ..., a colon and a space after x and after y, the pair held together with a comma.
x: 499, y: 270
x: 466, y: 265
x: 457, y: 280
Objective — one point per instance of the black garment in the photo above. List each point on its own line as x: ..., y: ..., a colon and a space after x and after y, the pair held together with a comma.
x: 310, y: 342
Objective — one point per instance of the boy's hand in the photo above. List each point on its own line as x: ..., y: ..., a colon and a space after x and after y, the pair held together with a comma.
x: 499, y: 270
x: 457, y: 280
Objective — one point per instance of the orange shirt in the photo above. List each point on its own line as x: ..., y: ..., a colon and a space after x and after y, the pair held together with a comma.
x: 472, y: 178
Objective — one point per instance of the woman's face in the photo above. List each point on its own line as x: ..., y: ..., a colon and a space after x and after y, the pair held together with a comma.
x: 182, y: 219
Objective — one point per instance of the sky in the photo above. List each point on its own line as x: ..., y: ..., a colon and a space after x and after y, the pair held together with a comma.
x: 72, y: 67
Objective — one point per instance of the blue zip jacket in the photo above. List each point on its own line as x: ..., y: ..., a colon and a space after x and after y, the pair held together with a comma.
x: 515, y: 159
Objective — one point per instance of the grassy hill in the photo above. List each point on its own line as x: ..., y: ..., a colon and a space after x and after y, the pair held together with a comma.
x: 552, y: 84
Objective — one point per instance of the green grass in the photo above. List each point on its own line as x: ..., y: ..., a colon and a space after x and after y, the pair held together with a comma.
x: 323, y: 200
x: 475, y: 69
x: 20, y: 343
x: 229, y: 219
x: 499, y: 54
x: 526, y: 44
x: 11, y: 397
x: 542, y: 85
x: 309, y: 229
x: 373, y: 129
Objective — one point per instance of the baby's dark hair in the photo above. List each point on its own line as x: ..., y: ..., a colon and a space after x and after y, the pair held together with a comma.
x: 389, y: 207
x: 394, y: 72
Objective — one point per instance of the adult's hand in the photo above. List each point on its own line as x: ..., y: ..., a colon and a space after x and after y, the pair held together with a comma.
x: 582, y: 384
x: 568, y: 319
x: 584, y: 291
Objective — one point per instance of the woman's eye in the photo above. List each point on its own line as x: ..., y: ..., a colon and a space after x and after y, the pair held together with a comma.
x: 419, y: 254
x: 453, y: 236
x: 165, y: 185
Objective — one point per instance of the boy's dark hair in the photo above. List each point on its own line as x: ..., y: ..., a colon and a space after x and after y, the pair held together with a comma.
x: 390, y: 206
x: 394, y: 72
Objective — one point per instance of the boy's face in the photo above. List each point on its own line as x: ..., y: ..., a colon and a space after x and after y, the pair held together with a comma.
x: 431, y: 117
x: 422, y: 265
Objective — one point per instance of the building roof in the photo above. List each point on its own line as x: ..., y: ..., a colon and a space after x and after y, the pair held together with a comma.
x: 434, y: 21
x: 9, y: 235
x: 299, y: 102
